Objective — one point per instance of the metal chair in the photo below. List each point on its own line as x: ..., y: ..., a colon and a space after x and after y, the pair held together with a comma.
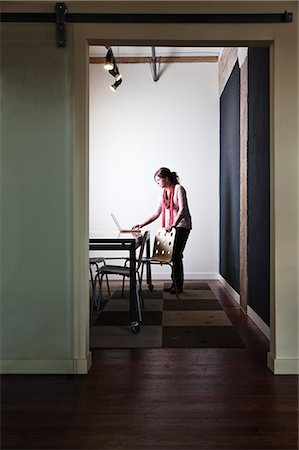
x: 124, y: 271
x: 162, y: 252
x: 95, y: 263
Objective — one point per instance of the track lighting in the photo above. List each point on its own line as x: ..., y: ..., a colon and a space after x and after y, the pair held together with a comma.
x: 115, y: 73
x: 109, y: 63
x: 114, y: 86
x: 112, y: 68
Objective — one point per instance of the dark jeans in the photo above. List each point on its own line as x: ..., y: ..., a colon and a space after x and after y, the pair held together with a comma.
x: 181, y: 237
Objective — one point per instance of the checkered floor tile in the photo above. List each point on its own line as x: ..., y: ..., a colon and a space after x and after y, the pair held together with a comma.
x: 195, y: 320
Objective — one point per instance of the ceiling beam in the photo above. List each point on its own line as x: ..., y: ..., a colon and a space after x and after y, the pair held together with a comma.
x: 159, y: 59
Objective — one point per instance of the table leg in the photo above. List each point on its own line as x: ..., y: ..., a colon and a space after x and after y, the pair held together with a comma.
x: 135, y: 310
x: 93, y: 294
x: 148, y: 266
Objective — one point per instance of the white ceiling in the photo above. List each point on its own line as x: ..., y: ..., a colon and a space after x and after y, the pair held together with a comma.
x: 160, y: 51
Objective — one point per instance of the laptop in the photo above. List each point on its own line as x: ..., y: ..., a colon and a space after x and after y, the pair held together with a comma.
x: 120, y: 229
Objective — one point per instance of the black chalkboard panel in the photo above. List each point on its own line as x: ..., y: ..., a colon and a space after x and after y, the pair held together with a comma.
x: 230, y: 180
x: 258, y: 182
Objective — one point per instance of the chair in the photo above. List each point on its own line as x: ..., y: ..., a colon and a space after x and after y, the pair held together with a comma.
x: 162, y: 251
x: 124, y: 271
x: 95, y: 262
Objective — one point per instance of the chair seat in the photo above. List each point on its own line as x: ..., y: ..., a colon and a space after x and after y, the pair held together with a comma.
x: 96, y: 260
x: 115, y: 270
x: 155, y: 260
x: 144, y: 260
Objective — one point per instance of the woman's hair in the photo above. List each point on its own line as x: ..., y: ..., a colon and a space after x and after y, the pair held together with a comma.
x: 163, y: 172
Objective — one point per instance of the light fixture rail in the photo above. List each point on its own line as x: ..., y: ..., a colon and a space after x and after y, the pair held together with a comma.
x: 61, y: 16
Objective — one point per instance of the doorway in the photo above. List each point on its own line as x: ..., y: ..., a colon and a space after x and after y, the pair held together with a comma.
x: 175, y: 122
x: 144, y: 125
x: 81, y: 134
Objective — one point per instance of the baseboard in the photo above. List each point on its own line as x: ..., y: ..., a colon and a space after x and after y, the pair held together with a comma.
x: 165, y: 275
x: 262, y: 326
x: 83, y: 365
x: 283, y: 366
x: 193, y: 276
x: 265, y: 329
x: 189, y: 276
x: 230, y: 290
x: 46, y: 366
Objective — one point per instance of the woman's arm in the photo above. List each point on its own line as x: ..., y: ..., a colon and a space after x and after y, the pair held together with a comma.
x: 152, y: 218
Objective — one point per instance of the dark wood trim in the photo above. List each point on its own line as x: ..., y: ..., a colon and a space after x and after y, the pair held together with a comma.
x: 244, y: 185
x: 159, y: 59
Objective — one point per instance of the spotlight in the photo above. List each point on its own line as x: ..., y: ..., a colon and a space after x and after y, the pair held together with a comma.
x: 109, y: 64
x: 115, y: 73
x: 116, y: 84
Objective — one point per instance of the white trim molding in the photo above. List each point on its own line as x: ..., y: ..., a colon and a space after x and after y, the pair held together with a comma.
x: 83, y: 365
x: 265, y: 329
x: 45, y: 366
x: 230, y: 290
x: 166, y: 275
x: 189, y: 276
x: 201, y: 276
x: 256, y: 319
x: 283, y: 366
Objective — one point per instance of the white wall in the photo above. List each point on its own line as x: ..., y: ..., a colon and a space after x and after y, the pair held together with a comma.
x: 145, y: 125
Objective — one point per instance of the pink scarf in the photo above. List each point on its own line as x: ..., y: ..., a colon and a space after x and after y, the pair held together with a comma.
x: 167, y: 203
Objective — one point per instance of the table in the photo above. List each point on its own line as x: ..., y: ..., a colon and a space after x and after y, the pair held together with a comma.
x: 128, y: 242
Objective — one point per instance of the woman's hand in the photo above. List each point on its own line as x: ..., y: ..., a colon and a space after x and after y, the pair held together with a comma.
x: 137, y: 227
x: 169, y: 228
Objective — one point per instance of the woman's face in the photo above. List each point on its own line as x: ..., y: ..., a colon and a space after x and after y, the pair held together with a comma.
x: 162, y: 182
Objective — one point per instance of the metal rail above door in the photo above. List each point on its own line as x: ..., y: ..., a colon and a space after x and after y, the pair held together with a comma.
x: 61, y: 16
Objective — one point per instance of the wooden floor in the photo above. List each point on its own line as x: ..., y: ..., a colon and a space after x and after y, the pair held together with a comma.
x: 158, y: 399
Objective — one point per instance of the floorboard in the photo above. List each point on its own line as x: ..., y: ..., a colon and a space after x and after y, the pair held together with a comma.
x: 158, y: 399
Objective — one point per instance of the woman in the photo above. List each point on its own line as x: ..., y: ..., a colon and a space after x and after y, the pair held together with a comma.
x: 173, y: 207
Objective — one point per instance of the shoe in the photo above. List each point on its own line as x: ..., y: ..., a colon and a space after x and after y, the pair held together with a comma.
x: 173, y: 291
x: 168, y: 289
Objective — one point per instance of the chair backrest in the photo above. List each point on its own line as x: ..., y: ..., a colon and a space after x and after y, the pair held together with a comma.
x: 163, y: 245
x: 141, y: 248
